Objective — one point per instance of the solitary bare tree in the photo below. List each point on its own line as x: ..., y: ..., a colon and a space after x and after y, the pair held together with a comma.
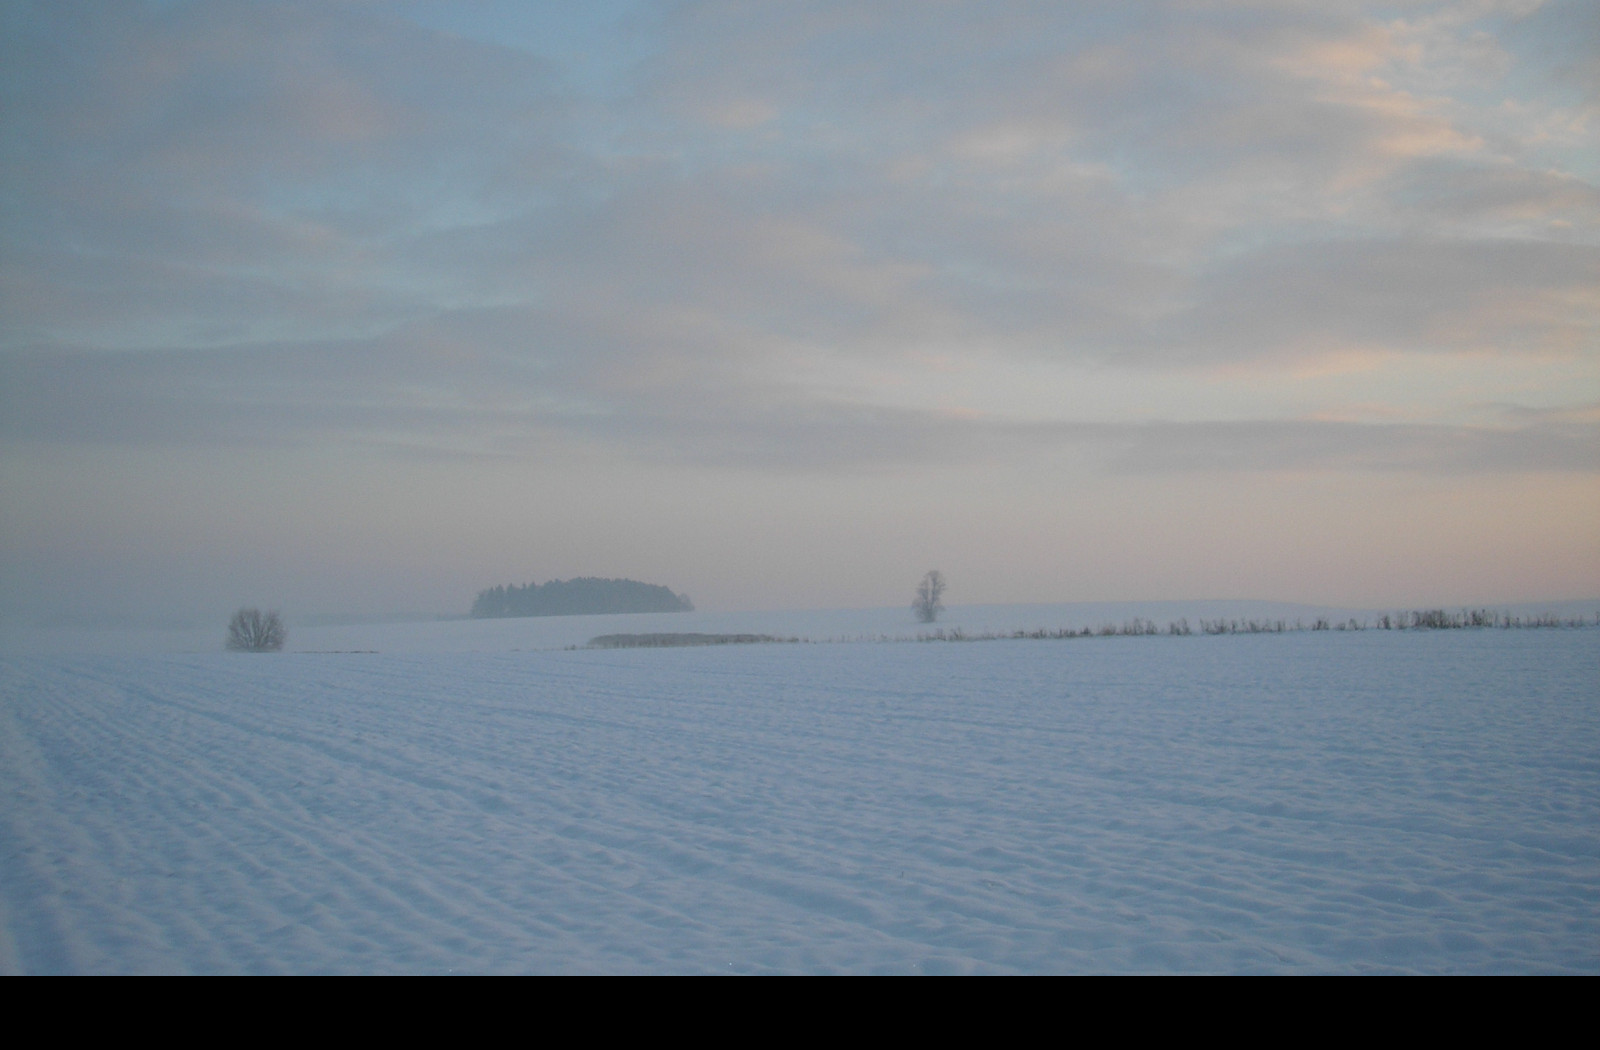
x: 927, y: 605
x: 254, y: 631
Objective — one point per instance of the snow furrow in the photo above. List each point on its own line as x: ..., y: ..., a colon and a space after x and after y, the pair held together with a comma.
x: 1362, y: 803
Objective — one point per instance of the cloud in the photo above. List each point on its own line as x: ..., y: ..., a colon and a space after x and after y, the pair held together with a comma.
x: 201, y: 174
x: 1300, y: 446
x: 411, y: 395
x: 1509, y: 296
x: 281, y: 223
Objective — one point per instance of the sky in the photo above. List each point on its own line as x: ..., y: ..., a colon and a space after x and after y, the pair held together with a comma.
x: 362, y: 307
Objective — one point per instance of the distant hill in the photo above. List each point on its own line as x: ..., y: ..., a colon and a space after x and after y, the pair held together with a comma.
x: 584, y: 596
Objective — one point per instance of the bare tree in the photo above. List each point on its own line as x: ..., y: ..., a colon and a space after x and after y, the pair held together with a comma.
x: 254, y: 631
x: 927, y: 605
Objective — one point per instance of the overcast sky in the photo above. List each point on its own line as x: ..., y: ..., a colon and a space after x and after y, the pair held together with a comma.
x: 363, y: 307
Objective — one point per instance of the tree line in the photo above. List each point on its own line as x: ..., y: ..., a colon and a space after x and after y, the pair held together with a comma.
x: 584, y: 596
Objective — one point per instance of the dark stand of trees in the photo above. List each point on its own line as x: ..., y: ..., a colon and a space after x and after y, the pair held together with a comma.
x: 586, y: 595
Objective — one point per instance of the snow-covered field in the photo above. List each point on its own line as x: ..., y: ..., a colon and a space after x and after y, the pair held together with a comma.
x: 1346, y: 802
